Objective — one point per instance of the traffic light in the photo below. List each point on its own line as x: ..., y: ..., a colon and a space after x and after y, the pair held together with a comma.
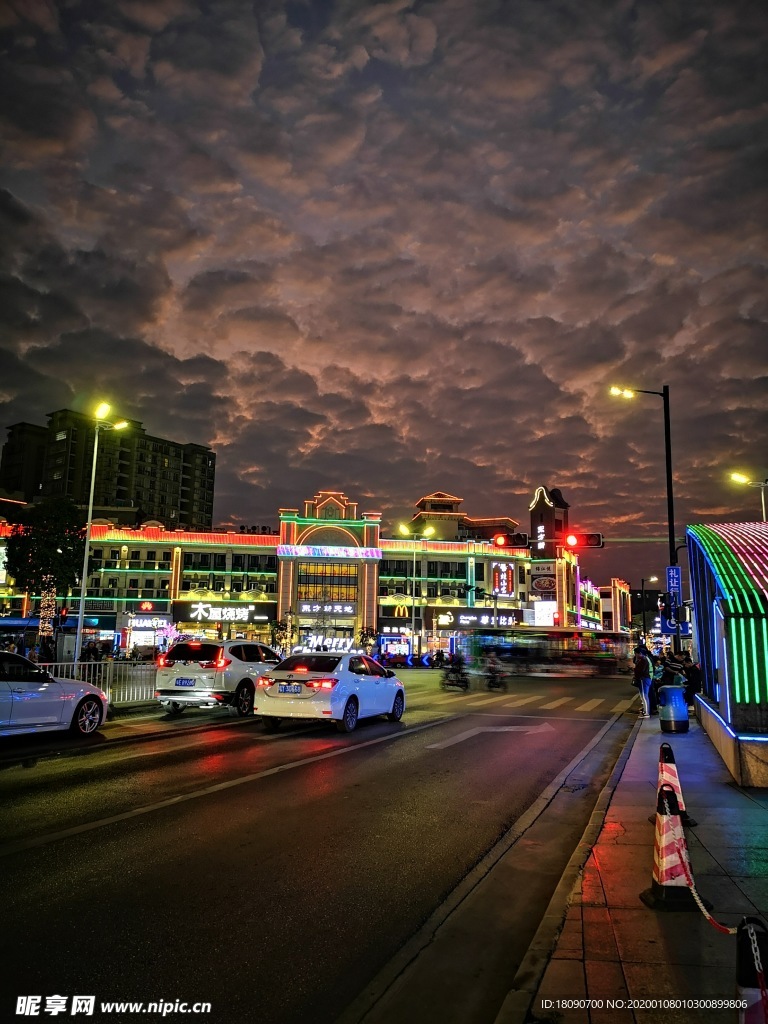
x: 665, y: 605
x: 556, y: 619
x: 63, y: 615
x: 584, y: 540
x: 510, y: 540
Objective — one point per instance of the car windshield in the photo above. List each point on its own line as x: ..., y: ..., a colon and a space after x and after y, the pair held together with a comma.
x: 309, y: 663
x: 193, y: 652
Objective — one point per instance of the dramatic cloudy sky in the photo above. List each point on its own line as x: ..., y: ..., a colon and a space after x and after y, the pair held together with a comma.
x: 397, y: 247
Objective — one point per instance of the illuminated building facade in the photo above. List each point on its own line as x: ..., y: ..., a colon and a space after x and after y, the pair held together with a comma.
x: 729, y: 584
x: 327, y: 570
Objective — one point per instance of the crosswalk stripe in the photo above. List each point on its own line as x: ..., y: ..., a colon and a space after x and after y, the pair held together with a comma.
x: 487, y: 700
x: 557, y: 703
x: 590, y: 705
x: 623, y: 705
x: 522, y: 700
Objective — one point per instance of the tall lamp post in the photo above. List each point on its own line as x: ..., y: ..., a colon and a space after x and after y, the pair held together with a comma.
x: 643, y: 581
x: 101, y: 424
x: 740, y: 478
x: 664, y: 396
x: 415, y: 535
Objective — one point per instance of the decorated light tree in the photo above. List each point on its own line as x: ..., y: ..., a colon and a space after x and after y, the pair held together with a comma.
x: 45, y: 552
x: 367, y: 638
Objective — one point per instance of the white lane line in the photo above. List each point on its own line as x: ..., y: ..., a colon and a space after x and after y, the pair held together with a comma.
x: 471, y: 733
x: 523, y: 700
x: 28, y: 844
x: 590, y: 705
x: 556, y: 703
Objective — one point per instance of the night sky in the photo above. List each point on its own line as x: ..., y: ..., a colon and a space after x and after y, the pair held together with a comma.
x: 400, y: 247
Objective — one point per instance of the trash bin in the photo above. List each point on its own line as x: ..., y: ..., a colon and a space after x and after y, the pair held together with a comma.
x: 673, y: 708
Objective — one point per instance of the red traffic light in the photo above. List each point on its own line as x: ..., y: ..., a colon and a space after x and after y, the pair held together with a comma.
x: 63, y: 616
x: 584, y: 540
x: 510, y: 540
x: 556, y: 619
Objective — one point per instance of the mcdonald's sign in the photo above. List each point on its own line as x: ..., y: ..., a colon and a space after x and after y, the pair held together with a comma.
x: 400, y: 611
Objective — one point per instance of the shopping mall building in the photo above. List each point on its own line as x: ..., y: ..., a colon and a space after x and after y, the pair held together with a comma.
x: 327, y: 572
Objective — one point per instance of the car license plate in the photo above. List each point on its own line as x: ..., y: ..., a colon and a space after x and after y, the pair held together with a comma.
x: 289, y: 688
x: 185, y: 682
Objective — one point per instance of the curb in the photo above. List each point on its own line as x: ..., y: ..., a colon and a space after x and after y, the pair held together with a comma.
x: 515, y: 1008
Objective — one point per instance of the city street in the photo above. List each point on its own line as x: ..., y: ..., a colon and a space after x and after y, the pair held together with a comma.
x: 276, y: 876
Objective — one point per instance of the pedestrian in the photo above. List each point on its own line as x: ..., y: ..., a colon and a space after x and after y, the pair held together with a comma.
x: 32, y: 656
x: 641, y: 676
x: 693, y: 678
x: 439, y: 658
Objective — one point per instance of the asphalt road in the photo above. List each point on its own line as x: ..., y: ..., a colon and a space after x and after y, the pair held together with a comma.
x: 275, y: 876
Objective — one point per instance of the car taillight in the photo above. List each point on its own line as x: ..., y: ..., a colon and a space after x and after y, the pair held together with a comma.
x: 265, y: 681
x: 322, y: 684
x: 220, y: 663
x: 162, y: 661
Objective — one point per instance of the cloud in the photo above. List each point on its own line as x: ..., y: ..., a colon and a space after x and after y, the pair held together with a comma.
x: 392, y: 249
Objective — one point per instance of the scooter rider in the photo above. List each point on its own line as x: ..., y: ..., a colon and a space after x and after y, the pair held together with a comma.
x: 493, y: 671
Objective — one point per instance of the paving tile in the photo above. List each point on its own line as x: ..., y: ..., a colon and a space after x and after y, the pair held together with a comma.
x: 605, y: 979
x: 745, y: 862
x: 756, y: 890
x: 633, y: 833
x: 725, y: 895
x: 648, y: 981
x: 571, y: 936
x: 739, y: 833
x: 670, y: 937
x: 599, y: 943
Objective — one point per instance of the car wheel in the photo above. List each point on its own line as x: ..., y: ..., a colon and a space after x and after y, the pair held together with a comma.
x: 270, y: 724
x: 398, y: 707
x: 244, y: 699
x: 174, y: 708
x: 349, y: 718
x: 87, y: 717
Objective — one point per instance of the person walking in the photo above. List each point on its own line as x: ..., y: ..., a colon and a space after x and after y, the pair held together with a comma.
x: 641, y: 674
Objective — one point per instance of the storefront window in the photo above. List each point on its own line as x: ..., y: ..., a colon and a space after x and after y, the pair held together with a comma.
x: 326, y: 581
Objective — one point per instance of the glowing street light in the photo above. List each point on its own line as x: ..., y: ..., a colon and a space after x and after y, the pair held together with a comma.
x: 102, y: 411
x: 415, y: 535
x: 740, y: 478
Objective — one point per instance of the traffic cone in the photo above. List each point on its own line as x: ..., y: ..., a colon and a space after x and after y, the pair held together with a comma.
x: 668, y: 773
x: 750, y: 980
x: 671, y: 865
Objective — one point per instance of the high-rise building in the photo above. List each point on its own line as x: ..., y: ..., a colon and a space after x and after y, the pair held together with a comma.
x: 148, y: 478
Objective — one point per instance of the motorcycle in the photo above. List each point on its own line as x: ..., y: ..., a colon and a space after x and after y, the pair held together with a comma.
x: 494, y: 680
x: 454, y: 676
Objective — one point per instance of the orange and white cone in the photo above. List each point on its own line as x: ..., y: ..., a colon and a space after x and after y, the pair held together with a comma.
x: 670, y: 889
x: 668, y: 774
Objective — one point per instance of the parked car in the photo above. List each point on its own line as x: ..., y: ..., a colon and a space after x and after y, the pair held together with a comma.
x: 341, y: 688
x: 212, y: 673
x: 32, y: 700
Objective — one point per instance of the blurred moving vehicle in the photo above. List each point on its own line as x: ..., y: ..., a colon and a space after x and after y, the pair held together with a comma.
x: 340, y: 688
x: 212, y: 673
x: 32, y: 700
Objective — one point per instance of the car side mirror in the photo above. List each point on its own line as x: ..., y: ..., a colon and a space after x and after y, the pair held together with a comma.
x: 390, y: 672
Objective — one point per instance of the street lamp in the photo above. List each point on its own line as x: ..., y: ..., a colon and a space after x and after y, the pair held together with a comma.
x: 414, y: 535
x: 664, y: 396
x: 101, y: 424
x: 643, y: 581
x: 740, y: 478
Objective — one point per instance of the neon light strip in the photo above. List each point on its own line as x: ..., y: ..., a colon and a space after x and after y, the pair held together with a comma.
x: 327, y: 551
x: 741, y: 737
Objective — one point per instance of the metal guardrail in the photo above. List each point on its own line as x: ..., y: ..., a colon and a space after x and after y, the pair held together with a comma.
x: 124, y: 682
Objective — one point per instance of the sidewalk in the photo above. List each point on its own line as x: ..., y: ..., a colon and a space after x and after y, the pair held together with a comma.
x: 613, y: 947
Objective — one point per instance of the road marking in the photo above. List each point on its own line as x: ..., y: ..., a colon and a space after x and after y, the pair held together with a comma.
x: 590, y: 705
x: 470, y: 733
x: 556, y: 703
x: 137, y: 812
x: 523, y: 700
x: 487, y: 700
x: 624, y: 704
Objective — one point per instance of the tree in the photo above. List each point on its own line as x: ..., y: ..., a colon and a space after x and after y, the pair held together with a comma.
x: 284, y: 633
x: 367, y: 638
x: 45, y: 554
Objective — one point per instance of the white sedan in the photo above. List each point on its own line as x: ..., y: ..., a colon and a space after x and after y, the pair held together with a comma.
x: 32, y: 700
x: 341, y: 688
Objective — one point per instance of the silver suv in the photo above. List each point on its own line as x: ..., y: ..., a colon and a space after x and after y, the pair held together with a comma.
x: 212, y: 673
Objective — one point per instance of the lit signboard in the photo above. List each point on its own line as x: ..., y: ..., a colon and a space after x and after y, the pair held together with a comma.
x: 326, y: 608
x: 328, y: 551
x: 503, y: 579
x: 211, y: 611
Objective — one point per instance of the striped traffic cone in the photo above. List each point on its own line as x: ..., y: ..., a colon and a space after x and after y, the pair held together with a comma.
x: 668, y: 773
x: 671, y: 866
